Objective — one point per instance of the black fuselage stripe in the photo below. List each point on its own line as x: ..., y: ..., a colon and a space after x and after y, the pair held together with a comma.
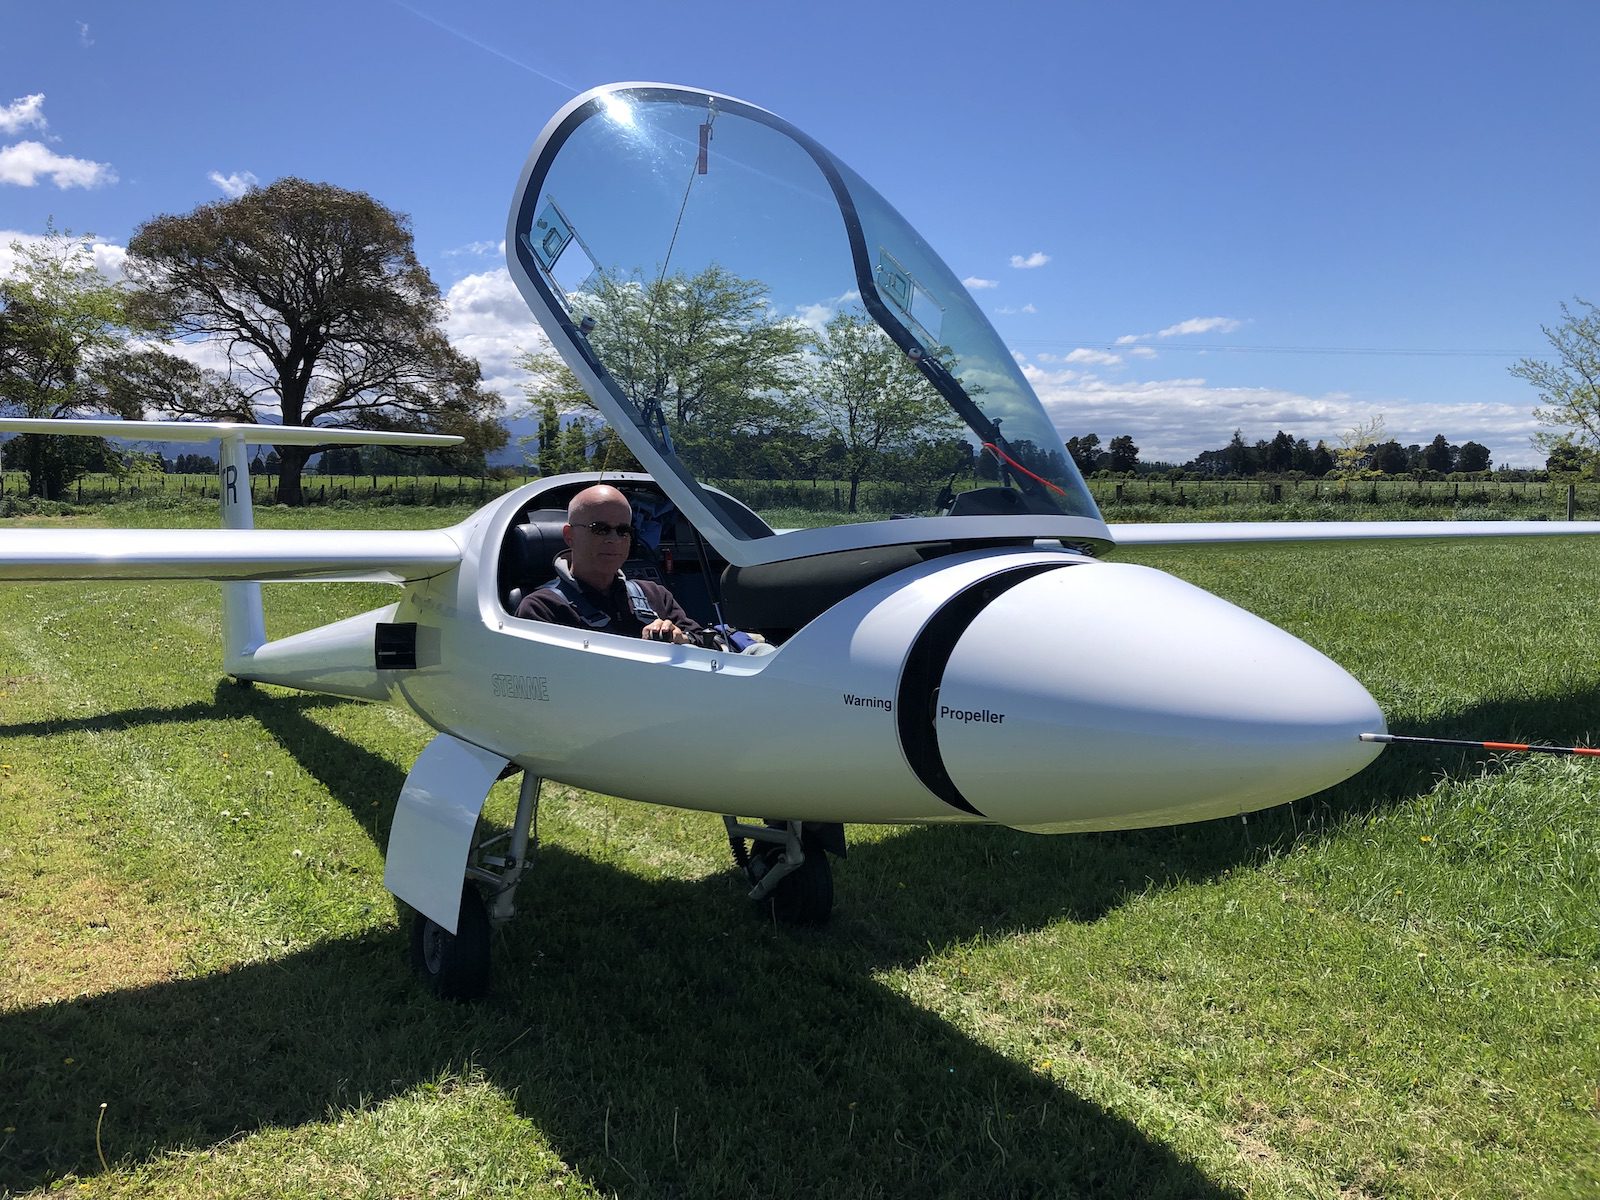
x: 916, y: 705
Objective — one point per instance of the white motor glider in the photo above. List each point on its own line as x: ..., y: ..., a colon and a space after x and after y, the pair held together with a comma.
x: 977, y: 662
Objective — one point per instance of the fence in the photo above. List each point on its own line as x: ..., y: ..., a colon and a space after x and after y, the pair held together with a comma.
x: 316, y: 489
x: 1426, y: 494
x: 875, y: 497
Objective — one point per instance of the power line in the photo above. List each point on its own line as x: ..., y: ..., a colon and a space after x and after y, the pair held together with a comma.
x: 1212, y: 348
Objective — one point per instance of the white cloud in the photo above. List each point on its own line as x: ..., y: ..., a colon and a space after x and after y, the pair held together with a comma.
x: 24, y: 162
x: 489, y: 321
x: 23, y: 112
x: 816, y: 316
x: 978, y: 285
x: 1172, y: 420
x: 1010, y: 310
x: 235, y: 185
x: 1037, y: 259
x: 83, y: 34
x: 108, y: 257
x: 1182, y: 328
x: 1096, y: 358
x: 484, y: 249
x: 1201, y: 325
x: 8, y: 256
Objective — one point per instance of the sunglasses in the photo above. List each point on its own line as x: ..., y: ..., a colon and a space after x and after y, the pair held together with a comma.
x: 601, y: 529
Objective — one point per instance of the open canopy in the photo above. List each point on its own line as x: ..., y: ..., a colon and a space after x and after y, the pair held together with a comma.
x: 748, y: 313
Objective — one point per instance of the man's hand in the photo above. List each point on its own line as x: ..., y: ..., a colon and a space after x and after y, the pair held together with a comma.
x: 663, y: 630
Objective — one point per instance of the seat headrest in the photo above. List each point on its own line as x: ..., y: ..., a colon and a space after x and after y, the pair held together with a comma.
x: 527, y: 558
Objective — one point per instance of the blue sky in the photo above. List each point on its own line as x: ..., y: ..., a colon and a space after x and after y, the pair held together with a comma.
x: 1255, y: 216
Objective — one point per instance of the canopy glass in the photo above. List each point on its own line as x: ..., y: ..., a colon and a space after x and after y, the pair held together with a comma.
x: 750, y: 314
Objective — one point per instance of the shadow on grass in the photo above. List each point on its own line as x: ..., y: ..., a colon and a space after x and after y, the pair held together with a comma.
x: 665, y: 1041
x: 350, y: 772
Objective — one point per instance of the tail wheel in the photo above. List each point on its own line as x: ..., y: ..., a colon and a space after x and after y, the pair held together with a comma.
x: 454, y: 966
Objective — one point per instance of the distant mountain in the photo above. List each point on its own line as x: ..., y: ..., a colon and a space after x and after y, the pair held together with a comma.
x: 509, y: 455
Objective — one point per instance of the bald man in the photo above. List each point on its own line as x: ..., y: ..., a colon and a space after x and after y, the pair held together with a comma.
x: 590, y: 590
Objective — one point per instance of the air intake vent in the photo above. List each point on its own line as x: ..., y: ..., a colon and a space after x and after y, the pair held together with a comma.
x: 395, y: 646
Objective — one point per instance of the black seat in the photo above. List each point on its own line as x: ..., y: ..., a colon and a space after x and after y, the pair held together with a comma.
x: 527, y: 556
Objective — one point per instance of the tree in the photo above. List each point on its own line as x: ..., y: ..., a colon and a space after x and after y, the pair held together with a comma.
x: 1322, y: 460
x: 340, y: 460
x: 1280, y: 454
x: 1238, y: 457
x: 701, y: 356
x: 1569, y: 388
x: 1566, y: 456
x: 549, y: 438
x: 1085, y: 452
x: 326, y: 316
x: 864, y: 392
x: 1439, y: 455
x: 1124, y: 454
x: 1389, y: 457
x: 65, y: 351
x: 1357, y: 443
x: 1473, y: 457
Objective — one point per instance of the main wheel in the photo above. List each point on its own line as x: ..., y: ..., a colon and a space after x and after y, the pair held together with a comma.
x: 805, y: 895
x: 455, y: 966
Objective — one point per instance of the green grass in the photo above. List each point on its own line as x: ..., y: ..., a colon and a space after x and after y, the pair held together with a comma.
x: 808, y: 502
x: 1391, y: 989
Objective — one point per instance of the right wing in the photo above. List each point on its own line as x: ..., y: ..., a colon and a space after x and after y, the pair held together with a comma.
x: 1200, y: 533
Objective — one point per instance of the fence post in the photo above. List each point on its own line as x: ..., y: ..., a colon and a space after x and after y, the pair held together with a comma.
x: 1572, y: 501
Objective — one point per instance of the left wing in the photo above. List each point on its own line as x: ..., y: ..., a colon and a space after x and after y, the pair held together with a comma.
x: 238, y: 553
x: 1199, y: 533
x: 263, y: 555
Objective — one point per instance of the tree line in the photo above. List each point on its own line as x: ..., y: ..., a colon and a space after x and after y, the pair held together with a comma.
x: 311, y: 303
x: 733, y: 390
x: 309, y: 296
x: 1285, y: 455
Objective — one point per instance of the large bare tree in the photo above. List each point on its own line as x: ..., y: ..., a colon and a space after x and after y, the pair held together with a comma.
x: 326, y: 317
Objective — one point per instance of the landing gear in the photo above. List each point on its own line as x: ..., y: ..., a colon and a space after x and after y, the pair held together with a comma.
x: 455, y: 966
x: 787, y: 866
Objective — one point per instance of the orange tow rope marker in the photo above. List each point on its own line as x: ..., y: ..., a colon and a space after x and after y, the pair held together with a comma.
x: 1515, y: 747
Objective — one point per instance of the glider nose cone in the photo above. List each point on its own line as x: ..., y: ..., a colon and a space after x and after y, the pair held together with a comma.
x: 1108, y: 696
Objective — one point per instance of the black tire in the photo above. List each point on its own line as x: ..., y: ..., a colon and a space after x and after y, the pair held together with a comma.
x: 454, y: 966
x: 805, y: 895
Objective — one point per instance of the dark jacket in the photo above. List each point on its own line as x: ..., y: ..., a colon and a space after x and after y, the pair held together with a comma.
x: 549, y: 604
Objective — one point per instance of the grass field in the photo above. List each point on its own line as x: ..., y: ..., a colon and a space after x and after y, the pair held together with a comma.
x: 1390, y: 989
x: 1148, y: 499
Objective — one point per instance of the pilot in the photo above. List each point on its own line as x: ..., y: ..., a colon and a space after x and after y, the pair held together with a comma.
x: 591, y: 592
